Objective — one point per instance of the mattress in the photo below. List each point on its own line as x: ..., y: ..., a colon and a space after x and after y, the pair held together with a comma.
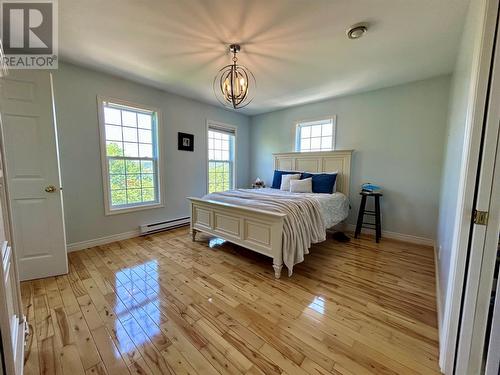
x: 334, y: 207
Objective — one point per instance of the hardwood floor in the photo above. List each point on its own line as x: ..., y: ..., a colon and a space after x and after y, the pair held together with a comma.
x: 164, y: 305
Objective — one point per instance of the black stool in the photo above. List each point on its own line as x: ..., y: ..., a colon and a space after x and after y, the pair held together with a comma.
x: 362, y: 212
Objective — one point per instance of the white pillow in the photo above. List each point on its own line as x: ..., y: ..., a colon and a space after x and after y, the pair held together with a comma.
x: 285, y: 180
x: 301, y: 186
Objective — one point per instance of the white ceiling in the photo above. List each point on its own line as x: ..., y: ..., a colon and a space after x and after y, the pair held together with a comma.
x: 297, y: 49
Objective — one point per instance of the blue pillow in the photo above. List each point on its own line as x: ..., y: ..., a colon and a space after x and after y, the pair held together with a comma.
x: 277, y: 178
x: 321, y: 182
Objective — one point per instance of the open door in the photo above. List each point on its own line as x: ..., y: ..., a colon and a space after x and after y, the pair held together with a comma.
x: 475, y: 322
x: 32, y: 171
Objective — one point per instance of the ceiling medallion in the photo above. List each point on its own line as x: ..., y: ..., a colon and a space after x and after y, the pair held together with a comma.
x: 234, y: 85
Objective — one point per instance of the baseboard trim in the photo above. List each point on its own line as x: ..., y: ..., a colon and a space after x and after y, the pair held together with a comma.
x: 396, y: 236
x: 75, y: 246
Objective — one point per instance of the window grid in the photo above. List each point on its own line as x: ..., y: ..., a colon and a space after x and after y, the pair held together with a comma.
x: 315, y: 136
x: 220, y: 161
x: 132, y: 171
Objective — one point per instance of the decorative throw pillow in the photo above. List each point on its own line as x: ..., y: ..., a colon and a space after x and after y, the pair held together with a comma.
x: 322, y: 182
x: 285, y: 180
x: 301, y: 186
x: 277, y: 178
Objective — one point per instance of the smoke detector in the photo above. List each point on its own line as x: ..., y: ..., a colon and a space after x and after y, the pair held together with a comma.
x: 357, y: 31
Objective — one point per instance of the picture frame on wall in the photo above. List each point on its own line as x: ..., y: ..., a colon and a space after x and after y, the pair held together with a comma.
x: 185, y: 142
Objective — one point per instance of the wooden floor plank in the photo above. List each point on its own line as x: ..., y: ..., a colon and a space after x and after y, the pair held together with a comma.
x: 162, y: 304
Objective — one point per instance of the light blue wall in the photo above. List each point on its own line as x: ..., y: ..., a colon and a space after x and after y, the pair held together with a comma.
x: 460, y: 103
x: 76, y: 110
x: 397, y: 134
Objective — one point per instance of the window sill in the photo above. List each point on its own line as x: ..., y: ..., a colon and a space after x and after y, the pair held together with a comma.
x: 125, y: 210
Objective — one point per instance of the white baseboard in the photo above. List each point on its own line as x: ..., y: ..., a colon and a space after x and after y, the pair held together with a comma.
x: 75, y: 246
x: 395, y: 236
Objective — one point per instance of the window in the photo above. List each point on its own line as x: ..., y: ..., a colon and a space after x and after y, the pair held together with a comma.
x: 129, y: 138
x: 221, y: 145
x: 316, y: 135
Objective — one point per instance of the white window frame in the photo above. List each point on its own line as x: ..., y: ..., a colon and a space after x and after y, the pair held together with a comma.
x: 108, y: 209
x: 316, y: 121
x: 231, y: 128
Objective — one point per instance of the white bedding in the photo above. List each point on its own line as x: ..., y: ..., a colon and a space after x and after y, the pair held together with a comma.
x: 307, y: 215
x: 334, y: 207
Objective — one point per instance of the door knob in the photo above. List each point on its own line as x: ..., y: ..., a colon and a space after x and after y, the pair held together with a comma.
x: 51, y: 189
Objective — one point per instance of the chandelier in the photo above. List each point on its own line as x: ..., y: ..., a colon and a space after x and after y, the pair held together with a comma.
x: 234, y: 85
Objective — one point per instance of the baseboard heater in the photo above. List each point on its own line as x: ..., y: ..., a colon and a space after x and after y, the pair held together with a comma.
x: 163, y: 225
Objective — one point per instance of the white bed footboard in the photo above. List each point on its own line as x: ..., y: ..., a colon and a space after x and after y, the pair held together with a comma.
x: 254, y: 229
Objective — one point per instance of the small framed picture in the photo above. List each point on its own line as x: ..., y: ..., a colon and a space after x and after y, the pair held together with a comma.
x: 185, y: 142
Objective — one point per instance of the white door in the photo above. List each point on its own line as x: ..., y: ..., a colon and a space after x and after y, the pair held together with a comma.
x: 32, y: 168
x: 484, y: 240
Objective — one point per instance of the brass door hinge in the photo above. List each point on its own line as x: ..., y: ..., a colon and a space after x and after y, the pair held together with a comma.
x: 480, y: 217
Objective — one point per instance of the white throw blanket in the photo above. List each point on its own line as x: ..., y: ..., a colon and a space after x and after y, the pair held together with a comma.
x: 303, y: 223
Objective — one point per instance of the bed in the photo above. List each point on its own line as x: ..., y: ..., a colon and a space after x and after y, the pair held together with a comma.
x: 250, y: 218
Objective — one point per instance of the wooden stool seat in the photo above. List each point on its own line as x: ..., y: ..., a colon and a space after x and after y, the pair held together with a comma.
x: 377, y: 226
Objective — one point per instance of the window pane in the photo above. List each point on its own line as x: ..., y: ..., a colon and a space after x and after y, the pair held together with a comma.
x: 327, y: 129
x: 219, y: 173
x: 129, y: 134
x: 112, y: 116
x: 146, y: 166
x: 315, y: 143
x: 147, y: 180
x: 133, y: 166
x: 305, y: 132
x: 316, y: 131
x: 129, y: 118
x: 114, y: 148
x: 133, y: 181
x: 130, y: 150
x: 117, y: 181
x: 305, y: 144
x: 145, y: 136
x: 116, y: 166
x: 134, y: 196
x: 145, y: 150
x: 148, y: 195
x: 144, y: 121
x: 113, y: 133
x: 118, y: 197
x: 326, y: 143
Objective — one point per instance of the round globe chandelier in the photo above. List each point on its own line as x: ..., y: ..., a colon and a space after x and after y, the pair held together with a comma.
x: 234, y: 85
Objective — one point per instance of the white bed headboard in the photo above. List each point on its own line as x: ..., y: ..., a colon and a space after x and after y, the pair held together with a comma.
x: 316, y: 162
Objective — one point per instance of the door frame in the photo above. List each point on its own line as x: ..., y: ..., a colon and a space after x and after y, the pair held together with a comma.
x: 469, y: 168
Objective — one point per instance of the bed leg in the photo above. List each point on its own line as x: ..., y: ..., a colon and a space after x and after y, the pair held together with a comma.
x: 193, y: 234
x: 277, y: 270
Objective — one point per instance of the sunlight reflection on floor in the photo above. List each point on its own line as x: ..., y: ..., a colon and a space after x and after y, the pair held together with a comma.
x: 138, y: 313
x: 318, y: 304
